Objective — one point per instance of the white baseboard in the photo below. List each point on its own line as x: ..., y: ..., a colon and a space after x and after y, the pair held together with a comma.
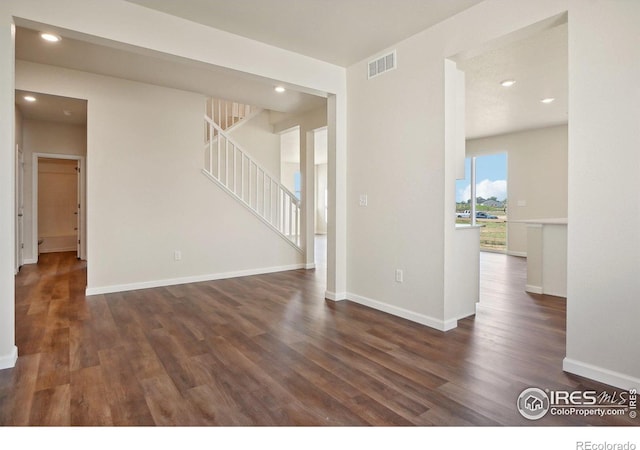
x: 467, y: 314
x: 184, y: 280
x: 533, y: 289
x: 422, y: 319
x: 310, y: 266
x: 335, y: 296
x: 30, y: 261
x: 59, y: 249
x: 606, y: 376
x: 519, y: 254
x: 9, y: 361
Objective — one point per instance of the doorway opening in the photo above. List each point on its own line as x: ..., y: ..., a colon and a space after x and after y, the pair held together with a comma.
x: 516, y: 115
x: 58, y: 219
x: 292, y: 177
x: 51, y: 138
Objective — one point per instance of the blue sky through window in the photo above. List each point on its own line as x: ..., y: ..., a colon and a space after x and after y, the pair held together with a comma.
x: 491, y: 178
x: 297, y: 184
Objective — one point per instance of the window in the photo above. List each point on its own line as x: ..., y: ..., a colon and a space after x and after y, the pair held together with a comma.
x: 490, y: 201
x: 297, y: 184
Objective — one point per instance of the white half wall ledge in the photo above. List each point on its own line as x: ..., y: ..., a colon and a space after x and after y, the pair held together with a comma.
x: 518, y: 254
x: 422, y: 319
x: 335, y: 296
x: 185, y: 280
x: 9, y: 361
x: 606, y: 376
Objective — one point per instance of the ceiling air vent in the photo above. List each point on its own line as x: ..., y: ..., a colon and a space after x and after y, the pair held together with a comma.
x: 382, y: 64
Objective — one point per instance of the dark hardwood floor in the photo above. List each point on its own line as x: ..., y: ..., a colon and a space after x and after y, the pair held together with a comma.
x: 270, y: 350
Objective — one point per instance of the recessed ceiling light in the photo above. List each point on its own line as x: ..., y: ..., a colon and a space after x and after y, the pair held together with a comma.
x: 508, y: 83
x: 50, y: 37
x: 547, y: 100
x: 29, y: 98
x: 279, y: 89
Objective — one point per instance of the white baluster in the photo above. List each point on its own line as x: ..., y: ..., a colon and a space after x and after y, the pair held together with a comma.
x: 226, y: 163
x: 218, y: 155
x: 250, y: 178
x: 241, y: 175
x: 211, y: 149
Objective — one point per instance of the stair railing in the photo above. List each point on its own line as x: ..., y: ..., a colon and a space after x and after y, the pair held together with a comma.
x: 226, y: 113
x: 231, y: 167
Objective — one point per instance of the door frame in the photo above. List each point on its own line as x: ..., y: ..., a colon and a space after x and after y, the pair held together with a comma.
x: 82, y: 250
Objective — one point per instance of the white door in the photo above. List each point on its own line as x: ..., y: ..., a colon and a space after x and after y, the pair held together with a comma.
x: 19, y: 208
x: 78, y: 212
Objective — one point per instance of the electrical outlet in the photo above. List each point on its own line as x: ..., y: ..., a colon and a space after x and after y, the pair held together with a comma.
x: 399, y: 276
x: 177, y: 255
x: 363, y: 200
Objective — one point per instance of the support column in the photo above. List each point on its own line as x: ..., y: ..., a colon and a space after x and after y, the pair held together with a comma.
x: 307, y: 168
x: 8, y: 349
x: 337, y: 207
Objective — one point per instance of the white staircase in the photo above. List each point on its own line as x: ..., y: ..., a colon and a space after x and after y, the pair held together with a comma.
x: 226, y: 113
x: 238, y: 174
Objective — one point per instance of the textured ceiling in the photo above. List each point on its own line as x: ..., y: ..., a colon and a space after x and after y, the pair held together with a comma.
x: 52, y: 108
x: 341, y: 32
x: 540, y: 67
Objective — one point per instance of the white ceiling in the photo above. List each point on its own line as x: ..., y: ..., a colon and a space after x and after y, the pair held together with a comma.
x: 341, y: 32
x: 52, y: 108
x: 538, y: 62
x: 540, y: 67
x: 158, y: 69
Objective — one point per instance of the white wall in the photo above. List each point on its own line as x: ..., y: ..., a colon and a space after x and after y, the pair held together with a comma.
x: 19, y: 123
x: 396, y: 157
x: 257, y: 138
x: 146, y: 196
x: 46, y: 137
x: 53, y: 137
x: 8, y: 349
x: 308, y: 120
x: 537, y: 174
x: 287, y: 176
x: 321, y: 186
x: 604, y: 192
x: 123, y: 22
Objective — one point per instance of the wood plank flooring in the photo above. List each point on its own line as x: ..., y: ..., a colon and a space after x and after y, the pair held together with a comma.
x: 270, y: 350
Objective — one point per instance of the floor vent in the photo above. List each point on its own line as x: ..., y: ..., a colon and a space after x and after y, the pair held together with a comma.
x: 382, y: 64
